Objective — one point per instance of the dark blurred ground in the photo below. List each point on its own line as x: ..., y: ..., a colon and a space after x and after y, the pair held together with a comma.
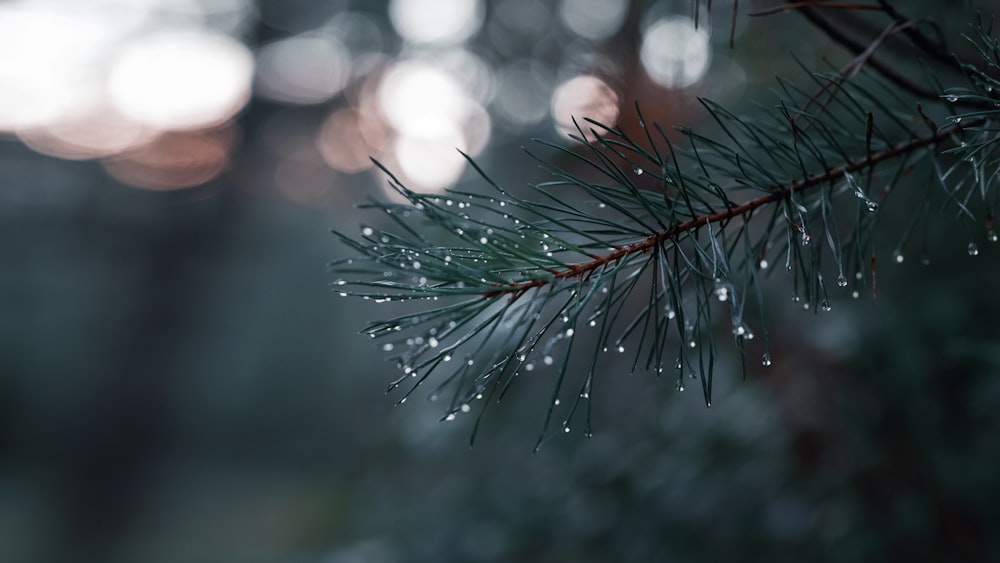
x: 178, y: 383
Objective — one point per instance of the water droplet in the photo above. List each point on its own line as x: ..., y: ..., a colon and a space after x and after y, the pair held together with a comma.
x: 592, y: 323
x: 806, y: 239
x: 621, y: 349
x: 872, y: 206
x: 483, y: 240
x: 955, y: 119
x: 637, y: 170
x: 450, y: 417
x: 991, y: 236
x: 669, y: 312
x: 973, y: 249
x: 763, y: 264
x: 566, y: 429
x: 826, y: 306
x: 569, y: 332
x: 529, y: 366
x: 547, y: 360
x: 898, y: 256
x: 465, y: 407
x: 387, y: 347
x: 679, y: 386
x: 842, y: 280
x: 367, y: 231
x: 795, y: 298
x: 951, y: 98
x: 432, y: 342
x: 855, y: 294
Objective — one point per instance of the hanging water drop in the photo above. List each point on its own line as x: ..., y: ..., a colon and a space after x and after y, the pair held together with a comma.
x: 842, y: 280
x: 951, y: 98
x: 991, y: 236
x: 762, y: 264
x: 637, y: 170
x: 766, y: 361
x: 547, y: 360
x: 872, y: 206
x: 898, y: 256
x: 825, y: 306
x: 806, y: 239
x: 973, y: 249
x: 450, y: 417
x: 465, y: 407
x: 367, y: 231
x: 621, y: 349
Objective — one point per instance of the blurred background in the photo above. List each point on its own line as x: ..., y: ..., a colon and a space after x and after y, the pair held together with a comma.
x: 178, y: 382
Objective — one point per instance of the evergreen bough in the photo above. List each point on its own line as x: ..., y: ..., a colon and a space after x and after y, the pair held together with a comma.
x: 643, y: 244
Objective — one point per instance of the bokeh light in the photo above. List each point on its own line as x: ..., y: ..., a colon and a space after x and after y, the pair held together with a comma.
x: 436, y: 21
x: 429, y: 158
x: 48, y: 59
x: 432, y: 116
x: 583, y: 96
x: 174, y: 160
x: 674, y: 52
x: 595, y: 20
x: 349, y: 137
x: 96, y: 130
x: 181, y: 79
x: 523, y: 91
x: 302, y: 69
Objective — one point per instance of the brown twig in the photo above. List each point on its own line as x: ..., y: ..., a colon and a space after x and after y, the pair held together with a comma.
x: 583, y: 269
x: 816, y: 4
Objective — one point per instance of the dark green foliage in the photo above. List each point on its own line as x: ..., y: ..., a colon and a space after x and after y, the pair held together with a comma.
x: 644, y: 246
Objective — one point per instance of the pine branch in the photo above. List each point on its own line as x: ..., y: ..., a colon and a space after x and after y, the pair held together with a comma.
x: 644, y: 246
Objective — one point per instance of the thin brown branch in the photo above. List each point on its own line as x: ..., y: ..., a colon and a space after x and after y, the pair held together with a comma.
x: 858, y: 48
x: 938, y: 50
x: 816, y: 4
x: 583, y: 269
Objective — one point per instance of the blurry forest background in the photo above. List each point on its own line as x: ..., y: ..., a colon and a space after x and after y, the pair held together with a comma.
x: 178, y: 382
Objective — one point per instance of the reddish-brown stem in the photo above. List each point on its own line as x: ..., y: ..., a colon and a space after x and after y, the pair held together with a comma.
x: 516, y: 289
